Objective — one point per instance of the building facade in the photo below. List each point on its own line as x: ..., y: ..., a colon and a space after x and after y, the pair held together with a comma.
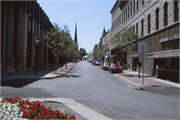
x: 22, y: 23
x: 157, y: 23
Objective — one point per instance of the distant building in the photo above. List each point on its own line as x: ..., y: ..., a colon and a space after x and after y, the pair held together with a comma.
x: 157, y: 23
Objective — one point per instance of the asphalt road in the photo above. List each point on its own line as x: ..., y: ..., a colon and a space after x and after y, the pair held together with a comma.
x: 103, y: 92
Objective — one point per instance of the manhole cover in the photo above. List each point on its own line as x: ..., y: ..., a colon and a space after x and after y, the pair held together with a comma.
x: 104, y: 108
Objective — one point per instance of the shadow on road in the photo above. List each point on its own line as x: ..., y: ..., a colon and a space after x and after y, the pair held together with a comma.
x: 68, y: 76
x: 17, y: 83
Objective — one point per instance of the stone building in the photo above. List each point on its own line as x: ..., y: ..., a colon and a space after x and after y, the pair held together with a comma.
x: 157, y: 23
x: 22, y: 23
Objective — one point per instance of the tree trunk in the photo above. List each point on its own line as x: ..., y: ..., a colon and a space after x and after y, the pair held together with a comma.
x: 123, y: 64
x: 56, y: 63
x: 66, y: 63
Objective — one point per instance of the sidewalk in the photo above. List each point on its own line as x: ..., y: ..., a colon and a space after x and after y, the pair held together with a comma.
x: 149, y: 81
x: 45, y: 73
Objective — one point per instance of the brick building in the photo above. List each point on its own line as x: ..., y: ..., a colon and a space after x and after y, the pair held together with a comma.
x: 157, y: 23
x: 22, y: 23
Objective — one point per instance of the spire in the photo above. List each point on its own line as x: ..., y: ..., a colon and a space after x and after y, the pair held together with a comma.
x: 103, y: 33
x: 75, y: 36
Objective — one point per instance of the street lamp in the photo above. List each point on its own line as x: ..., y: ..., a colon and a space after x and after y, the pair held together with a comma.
x: 37, y: 43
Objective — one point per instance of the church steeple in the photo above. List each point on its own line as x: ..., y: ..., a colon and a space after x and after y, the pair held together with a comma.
x: 75, y: 36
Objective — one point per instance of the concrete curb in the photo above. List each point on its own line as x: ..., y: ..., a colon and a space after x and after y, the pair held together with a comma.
x: 75, y: 106
x: 142, y: 88
x: 50, y: 75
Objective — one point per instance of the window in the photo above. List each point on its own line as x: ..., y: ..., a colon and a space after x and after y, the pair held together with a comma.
x: 29, y: 25
x: 149, y: 23
x: 128, y: 12
x: 36, y: 28
x: 122, y: 18
x: 133, y: 29
x: 137, y: 28
x: 134, y: 6
x: 142, y: 2
x: 176, y: 11
x: 165, y: 14
x: 142, y: 27
x: 137, y: 5
x: 157, y: 18
x: 131, y: 9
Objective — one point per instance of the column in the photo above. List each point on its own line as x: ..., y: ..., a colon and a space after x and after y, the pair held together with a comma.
x: 19, y: 41
x: 10, y: 39
x: 4, y: 32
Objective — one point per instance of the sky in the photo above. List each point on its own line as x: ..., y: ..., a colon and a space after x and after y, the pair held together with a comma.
x: 91, y: 17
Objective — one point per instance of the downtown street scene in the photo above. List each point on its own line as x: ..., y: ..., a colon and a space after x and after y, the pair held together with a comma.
x: 56, y: 70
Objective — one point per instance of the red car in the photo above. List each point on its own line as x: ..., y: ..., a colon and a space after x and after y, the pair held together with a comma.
x: 115, y: 68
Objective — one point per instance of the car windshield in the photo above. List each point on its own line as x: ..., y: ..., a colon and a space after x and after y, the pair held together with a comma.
x: 114, y: 65
x: 106, y: 63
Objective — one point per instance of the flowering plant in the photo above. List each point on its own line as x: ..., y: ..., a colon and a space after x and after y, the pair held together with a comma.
x: 18, y: 109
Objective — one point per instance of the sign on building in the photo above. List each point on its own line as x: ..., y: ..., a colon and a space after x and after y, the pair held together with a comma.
x: 142, y: 50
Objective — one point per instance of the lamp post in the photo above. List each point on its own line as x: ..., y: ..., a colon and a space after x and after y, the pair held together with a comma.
x: 37, y: 43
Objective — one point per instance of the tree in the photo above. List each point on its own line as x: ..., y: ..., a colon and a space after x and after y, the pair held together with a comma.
x: 82, y: 52
x: 123, y: 40
x: 58, y: 40
x: 101, y: 52
x: 90, y: 55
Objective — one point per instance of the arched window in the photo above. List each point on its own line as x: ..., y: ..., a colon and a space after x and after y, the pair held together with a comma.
x: 142, y: 27
x: 134, y: 6
x: 149, y: 23
x: 165, y: 14
x: 142, y: 2
x: 137, y: 28
x: 157, y: 18
x: 176, y: 11
x: 137, y: 5
x: 131, y: 9
x: 128, y: 12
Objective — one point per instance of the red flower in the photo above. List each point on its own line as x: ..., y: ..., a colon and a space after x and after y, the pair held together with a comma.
x: 24, y: 115
x: 2, y: 101
x: 13, y: 102
x: 31, y: 112
x: 34, y: 108
x: 73, y: 117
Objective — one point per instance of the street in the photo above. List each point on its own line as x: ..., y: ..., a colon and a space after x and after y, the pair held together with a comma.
x: 102, y: 92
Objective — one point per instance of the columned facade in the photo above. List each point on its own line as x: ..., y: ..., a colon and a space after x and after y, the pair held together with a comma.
x: 22, y: 23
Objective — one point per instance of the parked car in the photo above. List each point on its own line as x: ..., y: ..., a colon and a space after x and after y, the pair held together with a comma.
x: 115, y: 68
x: 98, y: 63
x: 93, y: 62
x: 106, y: 66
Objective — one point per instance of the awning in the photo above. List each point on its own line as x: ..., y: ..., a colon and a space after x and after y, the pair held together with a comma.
x: 165, y: 55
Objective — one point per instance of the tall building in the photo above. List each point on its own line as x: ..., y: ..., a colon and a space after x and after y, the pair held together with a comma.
x: 157, y: 23
x: 22, y: 23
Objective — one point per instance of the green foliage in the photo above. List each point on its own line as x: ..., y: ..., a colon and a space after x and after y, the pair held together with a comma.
x: 60, y: 41
x: 90, y: 55
x: 123, y: 39
x: 101, y: 52
x: 82, y: 52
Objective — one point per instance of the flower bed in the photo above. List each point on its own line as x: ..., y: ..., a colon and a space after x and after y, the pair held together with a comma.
x: 19, y: 109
